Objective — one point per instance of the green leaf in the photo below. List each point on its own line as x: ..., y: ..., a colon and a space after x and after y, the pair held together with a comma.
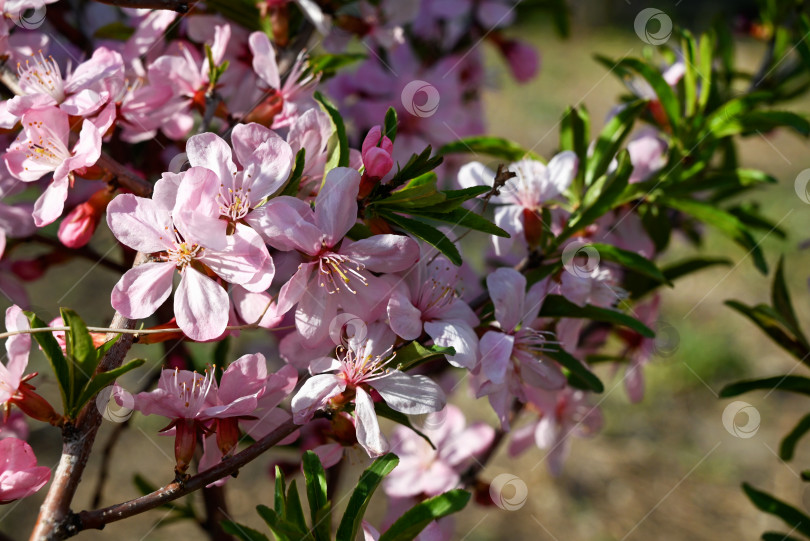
x: 780, y: 298
x: 749, y: 122
x: 117, y: 30
x: 610, y: 139
x: 81, y: 353
x: 427, y: 233
x: 631, y: 260
x: 280, y: 496
x: 423, y: 194
x: 464, y: 218
x: 558, y: 306
x: 315, y: 479
x: 795, y: 384
x: 575, y: 135
x: 665, y: 93
x: 242, y: 532
x: 417, y: 518
x: 453, y: 199
x: 384, y: 410
x: 641, y: 286
x: 291, y: 188
x: 102, y: 350
x: 52, y: 351
x: 329, y: 64
x: 491, y: 146
x: 788, y: 445
x: 361, y: 496
x: 295, y: 511
x: 340, y: 153
x: 417, y: 166
x: 776, y: 536
x: 577, y: 370
x: 99, y: 381
x: 415, y: 354
x: 767, y: 503
x: 282, y: 529
x: 724, y: 222
x: 390, y: 124
x: 772, y: 323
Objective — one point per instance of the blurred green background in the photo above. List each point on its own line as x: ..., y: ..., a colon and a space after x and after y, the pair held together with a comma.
x: 665, y: 468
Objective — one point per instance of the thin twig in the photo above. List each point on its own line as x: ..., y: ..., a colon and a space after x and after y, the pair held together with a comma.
x: 180, y: 6
x: 98, y: 518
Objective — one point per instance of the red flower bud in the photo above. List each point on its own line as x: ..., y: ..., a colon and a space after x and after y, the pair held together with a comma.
x: 78, y: 227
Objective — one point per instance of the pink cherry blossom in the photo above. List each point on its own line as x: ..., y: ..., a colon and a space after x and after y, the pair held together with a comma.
x: 563, y: 414
x: 265, y: 159
x: 512, y: 356
x: 181, y: 225
x: 41, y: 148
x: 295, y: 94
x: 18, y: 347
x: 426, y: 301
x: 311, y: 131
x: 360, y: 368
x: 522, y: 198
x: 425, y: 471
x: 337, y: 273
x: 19, y: 474
x: 15, y: 219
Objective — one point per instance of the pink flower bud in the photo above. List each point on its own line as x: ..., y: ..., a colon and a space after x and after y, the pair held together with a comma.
x: 376, y: 152
x: 524, y: 62
x: 78, y: 227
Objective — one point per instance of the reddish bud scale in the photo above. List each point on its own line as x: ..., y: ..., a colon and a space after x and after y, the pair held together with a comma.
x: 185, y: 443
x: 266, y: 111
x: 227, y: 434
x: 533, y: 227
x: 35, y: 406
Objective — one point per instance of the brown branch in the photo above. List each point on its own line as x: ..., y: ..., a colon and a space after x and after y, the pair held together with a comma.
x: 180, y: 6
x: 77, y: 442
x: 120, y: 176
x: 97, y: 519
x: 216, y: 510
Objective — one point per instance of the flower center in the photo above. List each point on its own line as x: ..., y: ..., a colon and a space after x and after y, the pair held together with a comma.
x: 42, y: 77
x: 534, y: 341
x: 193, y: 394
x: 234, y: 204
x: 434, y: 297
x: 335, y: 269
x: 360, y: 367
x: 184, y: 254
x: 42, y: 148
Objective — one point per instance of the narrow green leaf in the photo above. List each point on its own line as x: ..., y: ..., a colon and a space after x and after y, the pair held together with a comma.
x: 291, y: 188
x: 558, y: 306
x: 427, y: 233
x: 81, y: 352
x: 776, y: 536
x: 724, y: 222
x: 282, y: 529
x: 417, y: 518
x: 340, y: 155
x: 631, y: 260
x: 99, y: 381
x: 788, y: 445
x: 580, y: 373
x: 789, y: 514
x: 464, y: 218
x: 59, y: 365
x: 610, y: 139
x: 242, y: 532
x: 664, y: 92
x: 780, y: 298
x: 415, y: 354
x: 295, y: 511
x: 315, y: 479
x: 390, y: 124
x: 280, y: 497
x: 795, y: 384
x: 771, y: 322
x: 361, y: 496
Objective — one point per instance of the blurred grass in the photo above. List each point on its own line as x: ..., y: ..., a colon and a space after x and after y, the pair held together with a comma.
x: 663, y: 469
